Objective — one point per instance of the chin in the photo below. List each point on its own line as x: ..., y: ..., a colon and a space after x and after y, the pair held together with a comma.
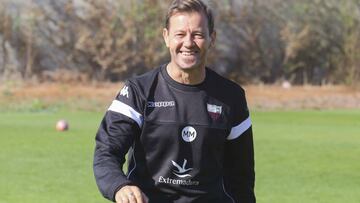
x: 188, y: 66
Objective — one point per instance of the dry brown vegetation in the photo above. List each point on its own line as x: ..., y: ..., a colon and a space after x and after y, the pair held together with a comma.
x: 98, y: 96
x: 258, y: 42
x: 303, y: 97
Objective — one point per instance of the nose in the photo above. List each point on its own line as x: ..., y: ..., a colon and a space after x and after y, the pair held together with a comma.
x: 188, y: 40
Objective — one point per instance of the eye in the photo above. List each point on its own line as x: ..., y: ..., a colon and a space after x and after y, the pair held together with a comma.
x: 199, y: 35
x: 179, y: 34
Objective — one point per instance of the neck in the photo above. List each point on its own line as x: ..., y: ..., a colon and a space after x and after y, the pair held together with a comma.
x: 189, y: 77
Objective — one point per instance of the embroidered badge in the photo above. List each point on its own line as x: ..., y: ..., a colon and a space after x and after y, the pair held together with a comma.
x: 214, y: 111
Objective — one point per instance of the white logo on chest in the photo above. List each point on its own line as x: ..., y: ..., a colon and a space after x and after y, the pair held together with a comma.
x: 188, y: 134
x: 181, y: 171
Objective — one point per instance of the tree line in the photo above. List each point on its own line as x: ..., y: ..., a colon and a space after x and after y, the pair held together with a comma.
x: 304, y: 42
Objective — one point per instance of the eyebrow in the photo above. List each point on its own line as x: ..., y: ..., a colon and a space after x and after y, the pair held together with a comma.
x: 193, y: 31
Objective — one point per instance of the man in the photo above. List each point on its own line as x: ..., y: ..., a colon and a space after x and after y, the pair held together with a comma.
x: 188, y: 129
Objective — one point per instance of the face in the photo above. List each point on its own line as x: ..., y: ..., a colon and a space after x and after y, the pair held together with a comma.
x: 188, y: 40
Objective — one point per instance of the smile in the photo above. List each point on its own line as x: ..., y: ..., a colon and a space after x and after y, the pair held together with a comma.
x: 188, y: 53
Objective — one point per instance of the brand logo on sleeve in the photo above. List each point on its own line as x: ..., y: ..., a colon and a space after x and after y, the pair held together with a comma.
x: 214, y: 111
x: 125, y: 91
x: 188, y: 134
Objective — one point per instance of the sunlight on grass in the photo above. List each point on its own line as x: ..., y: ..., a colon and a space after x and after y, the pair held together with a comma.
x: 301, y: 156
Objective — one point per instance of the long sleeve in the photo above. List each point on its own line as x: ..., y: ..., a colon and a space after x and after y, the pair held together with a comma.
x: 239, y: 168
x: 239, y: 173
x: 116, y: 134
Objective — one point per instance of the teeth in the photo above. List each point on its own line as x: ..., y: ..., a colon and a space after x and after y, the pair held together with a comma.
x: 187, y: 53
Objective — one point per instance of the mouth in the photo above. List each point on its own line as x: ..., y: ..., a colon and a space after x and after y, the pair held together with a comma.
x: 188, y: 53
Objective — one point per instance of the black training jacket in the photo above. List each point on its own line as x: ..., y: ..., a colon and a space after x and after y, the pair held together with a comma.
x: 186, y: 143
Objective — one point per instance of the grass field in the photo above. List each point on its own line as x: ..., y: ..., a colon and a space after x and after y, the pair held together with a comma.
x: 305, y: 156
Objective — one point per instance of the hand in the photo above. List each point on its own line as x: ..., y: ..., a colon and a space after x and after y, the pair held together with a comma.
x: 130, y: 194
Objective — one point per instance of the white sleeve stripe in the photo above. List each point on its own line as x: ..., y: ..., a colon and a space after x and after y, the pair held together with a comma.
x: 126, y: 110
x: 239, y: 129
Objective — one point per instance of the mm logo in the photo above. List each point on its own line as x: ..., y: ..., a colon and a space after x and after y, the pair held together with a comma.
x: 188, y: 134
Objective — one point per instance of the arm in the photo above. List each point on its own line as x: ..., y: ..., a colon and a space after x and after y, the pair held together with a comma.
x: 113, y: 140
x: 239, y: 177
x: 239, y: 174
x: 118, y: 129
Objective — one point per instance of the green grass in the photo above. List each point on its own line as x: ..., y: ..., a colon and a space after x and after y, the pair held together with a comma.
x: 39, y: 164
x: 308, y: 156
x: 305, y: 156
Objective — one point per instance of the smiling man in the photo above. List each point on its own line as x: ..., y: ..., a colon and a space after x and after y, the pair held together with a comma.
x: 188, y: 37
x: 187, y: 130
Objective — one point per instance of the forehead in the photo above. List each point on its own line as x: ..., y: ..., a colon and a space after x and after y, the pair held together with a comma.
x: 183, y: 20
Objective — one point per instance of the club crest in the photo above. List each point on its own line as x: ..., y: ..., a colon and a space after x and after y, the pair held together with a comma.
x: 214, y: 111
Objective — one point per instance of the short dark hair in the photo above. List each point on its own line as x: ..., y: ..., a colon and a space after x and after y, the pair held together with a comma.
x: 190, y: 6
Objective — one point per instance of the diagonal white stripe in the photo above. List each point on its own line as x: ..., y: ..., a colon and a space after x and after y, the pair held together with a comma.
x: 120, y: 107
x: 239, y: 129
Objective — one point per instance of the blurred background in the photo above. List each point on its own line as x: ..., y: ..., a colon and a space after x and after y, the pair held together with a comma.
x: 298, y: 60
x: 259, y: 42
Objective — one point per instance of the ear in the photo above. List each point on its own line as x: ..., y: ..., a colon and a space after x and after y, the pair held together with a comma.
x: 212, y: 38
x: 166, y: 36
